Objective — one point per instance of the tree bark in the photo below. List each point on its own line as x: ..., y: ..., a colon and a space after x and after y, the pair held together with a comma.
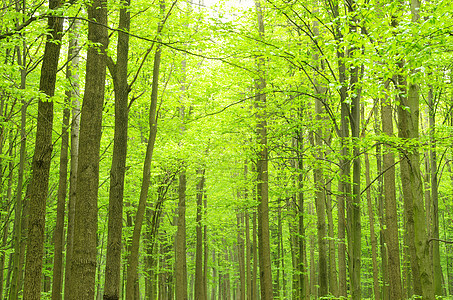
x: 83, y: 261
x: 19, y: 209
x: 57, y: 277
x: 132, y: 270
x: 434, y: 195
x: 391, y: 213
x: 74, y: 94
x: 118, y: 170
x: 262, y: 170
x: 41, y: 158
x: 199, y: 278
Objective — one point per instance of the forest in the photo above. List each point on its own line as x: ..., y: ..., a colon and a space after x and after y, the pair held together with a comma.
x: 232, y: 149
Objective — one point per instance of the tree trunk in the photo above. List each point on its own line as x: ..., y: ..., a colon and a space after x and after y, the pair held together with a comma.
x: 41, y: 158
x: 57, y: 277
x: 199, y: 278
x: 83, y: 261
x: 132, y: 269
x: 74, y: 94
x: 19, y: 208
x: 262, y: 170
x: 391, y: 212
x: 117, y: 172
x: 241, y: 259
x: 318, y: 177
x: 434, y: 195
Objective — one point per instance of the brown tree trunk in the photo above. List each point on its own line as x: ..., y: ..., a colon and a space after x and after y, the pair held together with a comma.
x: 132, y: 269
x: 391, y: 213
x: 199, y: 278
x: 119, y: 72
x: 19, y: 213
x: 255, y: 257
x: 74, y: 94
x: 241, y: 259
x: 434, y: 195
x: 83, y: 261
x: 57, y: 277
x: 262, y: 170
x: 41, y: 158
x: 180, y: 242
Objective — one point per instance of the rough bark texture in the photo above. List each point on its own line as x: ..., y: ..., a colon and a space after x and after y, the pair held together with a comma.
x: 41, y: 159
x: 83, y: 263
x: 118, y: 169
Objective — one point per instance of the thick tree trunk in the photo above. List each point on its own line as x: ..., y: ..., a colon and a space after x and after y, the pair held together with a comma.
x: 83, y: 261
x: 41, y: 158
x: 118, y: 170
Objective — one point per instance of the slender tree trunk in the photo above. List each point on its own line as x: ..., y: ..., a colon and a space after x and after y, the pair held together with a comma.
x: 376, y: 287
x: 434, y: 195
x: 205, y: 248
x: 41, y: 158
x: 19, y: 208
x: 255, y: 257
x: 132, y: 270
x: 180, y: 242
x: 57, y: 277
x: 262, y: 170
x: 356, y: 224
x: 241, y: 259
x: 248, y: 260
x: 73, y: 94
x: 318, y: 176
x: 118, y: 170
x: 344, y: 185
x: 199, y: 279
x: 83, y: 261
x: 391, y: 213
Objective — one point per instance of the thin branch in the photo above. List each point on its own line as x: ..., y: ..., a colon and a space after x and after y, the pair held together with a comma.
x: 439, y: 240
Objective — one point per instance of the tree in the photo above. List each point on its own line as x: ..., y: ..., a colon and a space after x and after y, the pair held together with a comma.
x: 262, y: 170
x: 41, y: 158
x: 83, y: 261
x: 119, y: 72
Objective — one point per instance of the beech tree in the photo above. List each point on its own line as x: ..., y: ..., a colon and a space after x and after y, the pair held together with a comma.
x: 328, y: 126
